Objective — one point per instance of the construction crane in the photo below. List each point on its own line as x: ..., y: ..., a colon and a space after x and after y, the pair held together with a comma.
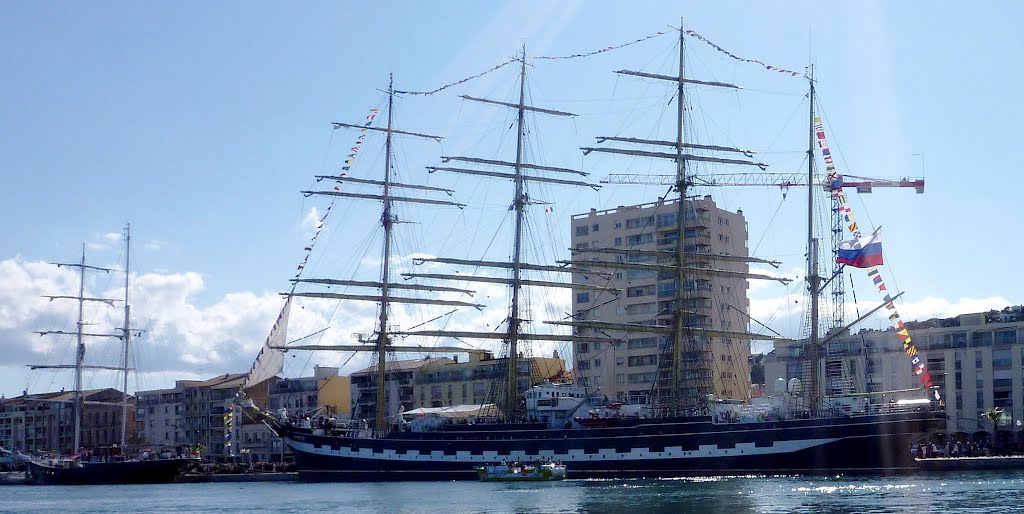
x: 781, y: 180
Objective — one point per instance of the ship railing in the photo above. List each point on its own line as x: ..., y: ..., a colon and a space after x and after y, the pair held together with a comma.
x: 769, y: 413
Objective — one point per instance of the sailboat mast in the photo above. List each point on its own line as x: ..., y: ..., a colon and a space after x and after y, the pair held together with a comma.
x: 80, y: 353
x: 519, y: 204
x: 813, y: 280
x: 679, y: 315
x: 127, y: 331
x: 387, y: 222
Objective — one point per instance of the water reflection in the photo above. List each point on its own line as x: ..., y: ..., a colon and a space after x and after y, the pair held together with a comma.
x: 971, y: 492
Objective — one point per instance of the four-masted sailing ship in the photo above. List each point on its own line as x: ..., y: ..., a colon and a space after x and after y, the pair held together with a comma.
x: 685, y: 433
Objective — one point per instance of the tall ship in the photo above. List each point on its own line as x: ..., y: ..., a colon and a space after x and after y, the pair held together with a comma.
x: 681, y: 427
x: 112, y: 465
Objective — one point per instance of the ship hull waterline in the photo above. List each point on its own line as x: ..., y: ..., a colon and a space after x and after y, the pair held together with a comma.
x: 869, y: 444
x: 161, y: 471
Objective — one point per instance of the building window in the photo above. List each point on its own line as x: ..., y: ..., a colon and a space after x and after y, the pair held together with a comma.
x: 1001, y: 358
x: 582, y: 230
x: 584, y: 347
x: 643, y: 360
x: 1006, y: 336
x: 642, y: 222
x: 618, y: 241
x: 667, y: 220
x: 642, y: 378
x: 594, y: 227
x: 582, y: 297
x: 639, y: 239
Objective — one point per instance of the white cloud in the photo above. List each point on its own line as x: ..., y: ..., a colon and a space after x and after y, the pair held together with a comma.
x: 312, y: 219
x: 183, y: 339
x: 154, y: 245
x: 932, y: 307
x: 180, y: 340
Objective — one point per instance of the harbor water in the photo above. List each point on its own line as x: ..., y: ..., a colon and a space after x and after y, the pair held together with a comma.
x: 972, y: 492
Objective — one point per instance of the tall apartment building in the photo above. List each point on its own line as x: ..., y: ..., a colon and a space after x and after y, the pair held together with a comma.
x: 45, y: 422
x: 476, y: 382
x: 976, y: 360
x: 634, y: 369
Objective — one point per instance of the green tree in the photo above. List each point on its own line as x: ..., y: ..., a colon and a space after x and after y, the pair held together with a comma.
x: 994, y: 416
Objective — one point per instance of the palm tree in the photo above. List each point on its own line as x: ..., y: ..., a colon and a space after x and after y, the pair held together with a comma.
x: 994, y: 416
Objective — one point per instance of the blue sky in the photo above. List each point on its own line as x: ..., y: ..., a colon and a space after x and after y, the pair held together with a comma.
x: 199, y: 123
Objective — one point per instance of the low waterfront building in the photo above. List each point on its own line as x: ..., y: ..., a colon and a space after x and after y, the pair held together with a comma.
x: 45, y: 422
x: 976, y: 361
x: 195, y: 412
x: 324, y: 393
x: 398, y: 387
x: 191, y: 413
x: 448, y: 382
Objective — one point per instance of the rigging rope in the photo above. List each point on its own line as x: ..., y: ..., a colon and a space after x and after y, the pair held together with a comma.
x: 467, y: 79
x: 738, y: 58
x: 601, y: 51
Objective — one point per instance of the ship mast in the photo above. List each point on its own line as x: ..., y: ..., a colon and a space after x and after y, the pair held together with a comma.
x: 813, y: 279
x: 381, y: 344
x: 80, y: 335
x: 519, y: 204
x: 127, y: 332
x: 514, y: 334
x: 690, y: 381
x: 385, y: 290
x: 79, y: 352
x: 679, y: 316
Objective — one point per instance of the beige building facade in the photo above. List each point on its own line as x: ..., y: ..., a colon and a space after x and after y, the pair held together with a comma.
x: 45, y: 422
x: 632, y: 370
x: 443, y: 383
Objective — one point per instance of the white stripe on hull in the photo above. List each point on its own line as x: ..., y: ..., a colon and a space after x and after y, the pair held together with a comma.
x: 575, y: 455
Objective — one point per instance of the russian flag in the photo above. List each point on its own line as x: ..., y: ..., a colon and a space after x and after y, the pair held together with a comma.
x: 861, y: 253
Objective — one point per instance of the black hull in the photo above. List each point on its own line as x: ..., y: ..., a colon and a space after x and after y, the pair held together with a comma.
x: 100, y: 473
x: 662, y: 448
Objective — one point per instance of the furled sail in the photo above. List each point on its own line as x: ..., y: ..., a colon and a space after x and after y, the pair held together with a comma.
x: 270, y: 360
